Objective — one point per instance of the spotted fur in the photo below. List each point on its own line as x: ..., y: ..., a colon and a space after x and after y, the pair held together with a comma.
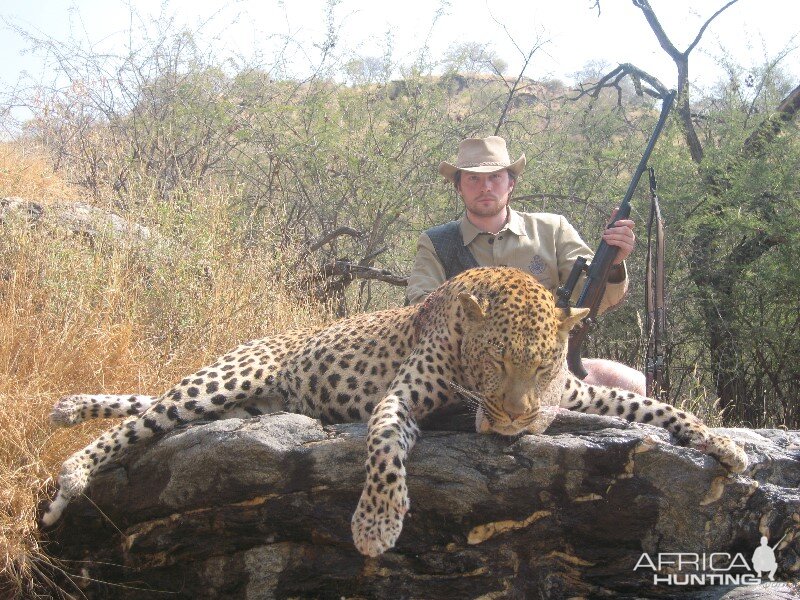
x: 493, y: 333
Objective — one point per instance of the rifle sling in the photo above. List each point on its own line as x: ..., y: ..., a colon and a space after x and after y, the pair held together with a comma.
x: 656, y: 375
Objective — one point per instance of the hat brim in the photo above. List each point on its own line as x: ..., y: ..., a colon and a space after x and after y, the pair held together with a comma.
x: 449, y: 171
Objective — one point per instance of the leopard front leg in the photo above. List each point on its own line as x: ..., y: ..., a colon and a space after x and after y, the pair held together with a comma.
x: 686, y: 427
x: 378, y: 518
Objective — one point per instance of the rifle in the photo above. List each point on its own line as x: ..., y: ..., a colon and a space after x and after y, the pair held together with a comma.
x: 597, y: 273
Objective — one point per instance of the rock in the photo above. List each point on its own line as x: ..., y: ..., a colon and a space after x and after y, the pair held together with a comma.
x: 261, y: 508
x: 76, y: 217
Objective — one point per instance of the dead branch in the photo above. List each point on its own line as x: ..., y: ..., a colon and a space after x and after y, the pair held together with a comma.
x: 681, y: 60
x: 326, y: 239
x: 654, y: 87
x: 328, y: 284
x: 351, y: 271
x: 513, y: 88
x: 330, y: 236
x: 370, y: 258
x: 773, y: 125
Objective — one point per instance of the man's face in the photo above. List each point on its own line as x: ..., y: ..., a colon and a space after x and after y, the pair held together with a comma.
x: 485, y: 194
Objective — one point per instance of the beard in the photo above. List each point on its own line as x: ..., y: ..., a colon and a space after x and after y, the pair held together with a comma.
x: 487, y: 207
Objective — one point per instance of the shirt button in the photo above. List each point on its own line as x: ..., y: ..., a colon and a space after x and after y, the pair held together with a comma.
x: 491, y: 240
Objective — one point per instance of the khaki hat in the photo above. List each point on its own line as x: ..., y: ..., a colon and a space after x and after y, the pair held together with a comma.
x: 482, y: 155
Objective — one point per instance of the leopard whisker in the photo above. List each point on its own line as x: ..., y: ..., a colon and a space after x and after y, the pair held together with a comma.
x: 492, y: 413
x: 472, y: 399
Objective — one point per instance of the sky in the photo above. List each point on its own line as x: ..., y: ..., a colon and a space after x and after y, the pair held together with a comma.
x: 568, y: 33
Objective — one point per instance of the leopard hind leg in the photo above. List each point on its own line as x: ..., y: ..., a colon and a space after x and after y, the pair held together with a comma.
x: 71, y: 410
x: 77, y: 408
x: 245, y: 379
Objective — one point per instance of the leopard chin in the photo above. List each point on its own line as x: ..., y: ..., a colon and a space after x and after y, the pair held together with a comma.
x: 491, y: 420
x: 537, y: 424
x: 507, y: 427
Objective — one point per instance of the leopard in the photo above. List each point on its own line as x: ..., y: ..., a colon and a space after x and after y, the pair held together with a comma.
x: 491, y: 339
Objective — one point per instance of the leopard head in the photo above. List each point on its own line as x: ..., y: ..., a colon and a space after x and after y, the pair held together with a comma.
x: 513, y: 349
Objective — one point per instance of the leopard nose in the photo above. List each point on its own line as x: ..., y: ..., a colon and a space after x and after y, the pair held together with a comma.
x: 514, y: 414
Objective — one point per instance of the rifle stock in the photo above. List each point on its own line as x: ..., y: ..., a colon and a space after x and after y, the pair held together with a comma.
x: 598, y: 271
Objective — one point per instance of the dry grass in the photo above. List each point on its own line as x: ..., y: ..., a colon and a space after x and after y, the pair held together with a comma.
x: 26, y: 172
x: 111, y: 319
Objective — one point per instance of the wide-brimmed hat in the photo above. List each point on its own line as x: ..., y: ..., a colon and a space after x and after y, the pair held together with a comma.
x: 482, y: 155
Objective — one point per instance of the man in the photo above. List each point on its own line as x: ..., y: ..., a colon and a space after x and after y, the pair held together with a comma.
x: 491, y: 233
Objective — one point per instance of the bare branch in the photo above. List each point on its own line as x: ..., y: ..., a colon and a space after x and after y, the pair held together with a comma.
x: 706, y: 24
x: 325, y: 239
x: 332, y: 235
x: 513, y: 89
x: 655, y: 25
x: 608, y: 80
x: 347, y: 269
x: 654, y: 88
x: 773, y: 125
x: 370, y: 258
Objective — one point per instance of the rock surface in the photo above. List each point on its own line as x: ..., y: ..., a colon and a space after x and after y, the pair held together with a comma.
x: 76, y: 217
x: 261, y: 509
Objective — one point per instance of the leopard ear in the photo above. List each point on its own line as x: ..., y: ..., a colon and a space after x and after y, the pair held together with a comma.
x: 570, y: 317
x: 476, y: 311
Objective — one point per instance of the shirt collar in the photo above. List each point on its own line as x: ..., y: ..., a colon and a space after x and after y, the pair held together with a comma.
x: 468, y: 231
x: 515, y: 224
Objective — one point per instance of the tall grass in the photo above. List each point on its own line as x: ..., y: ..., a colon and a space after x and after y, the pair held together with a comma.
x: 25, y: 171
x: 112, y: 317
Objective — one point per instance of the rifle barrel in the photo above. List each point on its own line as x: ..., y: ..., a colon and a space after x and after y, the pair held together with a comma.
x: 605, y: 255
x: 593, y: 288
x: 665, y: 108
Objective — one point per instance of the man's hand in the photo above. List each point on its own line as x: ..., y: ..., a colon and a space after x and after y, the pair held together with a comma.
x: 620, y: 236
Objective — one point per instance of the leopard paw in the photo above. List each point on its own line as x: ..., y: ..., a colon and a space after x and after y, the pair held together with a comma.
x: 67, y: 412
x: 377, y: 522
x: 723, y: 448
x: 72, y: 482
x: 727, y: 452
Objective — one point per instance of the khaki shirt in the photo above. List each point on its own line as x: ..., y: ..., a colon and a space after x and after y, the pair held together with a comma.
x: 542, y: 244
